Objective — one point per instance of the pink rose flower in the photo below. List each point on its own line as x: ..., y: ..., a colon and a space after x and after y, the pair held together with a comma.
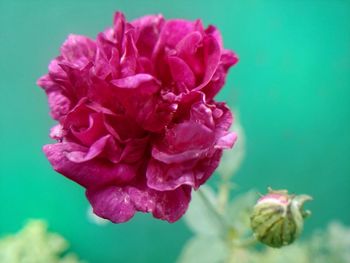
x: 138, y: 126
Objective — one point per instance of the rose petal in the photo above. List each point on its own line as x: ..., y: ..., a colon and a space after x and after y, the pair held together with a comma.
x: 188, y: 140
x: 78, y: 50
x: 148, y: 28
x: 138, y: 125
x: 181, y: 72
x: 166, y: 177
x: 128, y: 61
x: 112, y: 203
x: 119, y: 204
x: 90, y: 174
x: 95, y: 130
x: 95, y: 150
x: 212, y: 56
x: 227, y: 141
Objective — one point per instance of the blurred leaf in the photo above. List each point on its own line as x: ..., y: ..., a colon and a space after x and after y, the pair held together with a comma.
x: 243, y: 255
x: 339, y: 240
x: 295, y: 253
x: 34, y: 244
x: 199, y: 217
x: 204, y: 249
x: 239, y: 210
x: 332, y: 245
x: 290, y: 254
x: 328, y: 246
x: 232, y: 159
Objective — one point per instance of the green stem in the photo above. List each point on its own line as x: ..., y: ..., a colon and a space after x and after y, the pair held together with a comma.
x: 225, y: 226
x: 223, y: 196
x: 248, y: 242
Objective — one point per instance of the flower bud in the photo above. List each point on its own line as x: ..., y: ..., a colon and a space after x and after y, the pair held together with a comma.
x: 278, y: 218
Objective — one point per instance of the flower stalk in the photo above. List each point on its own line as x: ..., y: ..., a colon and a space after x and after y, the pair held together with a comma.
x: 221, y: 219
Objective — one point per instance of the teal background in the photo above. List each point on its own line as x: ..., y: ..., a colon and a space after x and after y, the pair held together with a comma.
x: 291, y: 86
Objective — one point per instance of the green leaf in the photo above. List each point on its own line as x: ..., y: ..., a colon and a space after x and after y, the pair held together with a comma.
x: 199, y: 217
x: 204, y: 249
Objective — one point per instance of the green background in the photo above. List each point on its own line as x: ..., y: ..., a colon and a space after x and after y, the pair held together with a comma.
x: 291, y: 86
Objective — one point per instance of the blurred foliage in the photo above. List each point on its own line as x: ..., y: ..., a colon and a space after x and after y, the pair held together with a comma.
x: 209, y: 245
x: 208, y: 224
x: 34, y: 244
x: 331, y: 245
x: 222, y: 232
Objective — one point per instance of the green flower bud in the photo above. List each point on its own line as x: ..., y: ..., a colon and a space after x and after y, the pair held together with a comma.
x: 278, y: 218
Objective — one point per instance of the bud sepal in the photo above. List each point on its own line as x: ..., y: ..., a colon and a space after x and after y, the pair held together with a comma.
x: 278, y: 217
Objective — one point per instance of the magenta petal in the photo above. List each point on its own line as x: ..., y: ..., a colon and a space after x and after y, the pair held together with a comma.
x: 112, y: 203
x: 145, y: 82
x: 171, y: 205
x: 119, y: 29
x: 55, y: 70
x: 228, y: 59
x: 57, y: 132
x: 148, y: 28
x: 185, y: 141
x: 145, y: 65
x: 128, y: 63
x: 78, y: 50
x: 119, y: 204
x: 227, y: 141
x: 169, y: 158
x: 206, y: 167
x: 213, y: 31
x: 165, y: 177
x: 95, y: 150
x: 187, y: 49
x: 59, y: 104
x: 107, y: 65
x: 88, y: 174
x: 181, y: 72
x: 93, y: 132
x: 141, y: 101
x: 202, y: 113
x: 134, y: 150
x: 189, y: 44
x: 212, y: 56
x: 138, y: 124
x: 174, y: 30
x: 223, y: 117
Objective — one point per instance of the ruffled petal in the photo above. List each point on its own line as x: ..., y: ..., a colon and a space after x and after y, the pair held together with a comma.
x: 138, y: 125
x: 212, y: 54
x: 90, y: 174
x: 149, y: 28
x: 193, y: 173
x: 59, y: 104
x: 119, y: 204
x: 112, y: 203
x: 181, y: 72
x: 166, y: 177
x: 139, y: 96
x: 188, y: 140
x: 171, y: 205
x: 78, y: 50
